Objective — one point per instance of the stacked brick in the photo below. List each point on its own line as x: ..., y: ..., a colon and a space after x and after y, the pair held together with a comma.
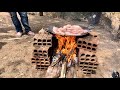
x: 42, y: 43
x: 87, y: 46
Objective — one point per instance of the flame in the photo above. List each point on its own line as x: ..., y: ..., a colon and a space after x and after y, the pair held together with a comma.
x: 66, y: 44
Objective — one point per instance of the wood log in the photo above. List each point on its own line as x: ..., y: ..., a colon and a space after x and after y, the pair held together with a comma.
x: 75, y: 72
x: 56, y: 60
x: 70, y: 72
x: 63, y: 70
x: 53, y: 72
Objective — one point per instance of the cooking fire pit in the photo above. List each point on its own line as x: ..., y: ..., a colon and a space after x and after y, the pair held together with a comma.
x: 68, y: 54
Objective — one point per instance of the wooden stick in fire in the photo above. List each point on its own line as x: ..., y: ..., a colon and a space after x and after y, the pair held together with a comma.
x: 57, y: 59
x: 64, y: 65
x: 63, y: 70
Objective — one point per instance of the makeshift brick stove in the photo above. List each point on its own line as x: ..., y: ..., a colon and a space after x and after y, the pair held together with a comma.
x: 65, y: 56
x: 42, y: 43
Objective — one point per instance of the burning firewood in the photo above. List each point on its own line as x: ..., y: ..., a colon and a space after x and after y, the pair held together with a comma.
x: 56, y: 59
x: 65, y: 44
x: 66, y: 53
x: 67, y: 59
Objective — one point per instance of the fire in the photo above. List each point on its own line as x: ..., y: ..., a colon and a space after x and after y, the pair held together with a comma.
x: 65, y: 45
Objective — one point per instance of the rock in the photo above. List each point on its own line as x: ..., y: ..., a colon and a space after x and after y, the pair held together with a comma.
x: 4, y: 57
x: 29, y: 41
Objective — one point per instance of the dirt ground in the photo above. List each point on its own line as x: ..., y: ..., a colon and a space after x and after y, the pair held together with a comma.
x: 16, y: 53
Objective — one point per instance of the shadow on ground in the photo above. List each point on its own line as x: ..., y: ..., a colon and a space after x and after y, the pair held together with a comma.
x: 2, y: 44
x: 6, y: 36
x: 2, y: 70
x: 5, y: 30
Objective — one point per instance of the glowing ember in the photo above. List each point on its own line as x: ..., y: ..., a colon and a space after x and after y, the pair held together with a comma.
x: 66, y: 44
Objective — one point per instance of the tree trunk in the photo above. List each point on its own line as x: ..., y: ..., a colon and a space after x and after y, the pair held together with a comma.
x: 41, y: 13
